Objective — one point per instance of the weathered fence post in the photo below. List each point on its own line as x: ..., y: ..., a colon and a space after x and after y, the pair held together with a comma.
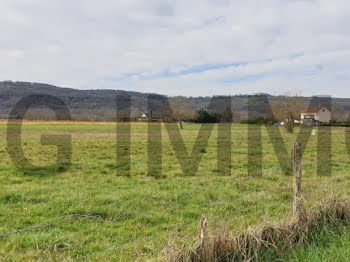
x: 202, y: 237
x: 297, y: 201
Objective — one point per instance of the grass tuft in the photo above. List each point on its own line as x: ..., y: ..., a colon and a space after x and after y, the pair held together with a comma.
x: 268, y: 241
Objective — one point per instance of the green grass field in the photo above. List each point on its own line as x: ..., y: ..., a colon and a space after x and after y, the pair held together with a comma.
x: 90, y: 213
x: 326, y: 248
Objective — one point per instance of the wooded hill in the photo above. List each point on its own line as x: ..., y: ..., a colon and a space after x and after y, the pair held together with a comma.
x: 100, y: 105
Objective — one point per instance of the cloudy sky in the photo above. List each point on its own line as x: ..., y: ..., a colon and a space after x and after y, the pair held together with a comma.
x: 179, y: 47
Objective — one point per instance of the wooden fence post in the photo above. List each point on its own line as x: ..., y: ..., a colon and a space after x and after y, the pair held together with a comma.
x: 202, y: 237
x: 297, y: 201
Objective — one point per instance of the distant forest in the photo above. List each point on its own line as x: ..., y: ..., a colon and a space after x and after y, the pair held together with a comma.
x: 100, y: 105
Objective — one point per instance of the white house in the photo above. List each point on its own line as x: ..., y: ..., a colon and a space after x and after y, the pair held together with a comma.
x: 143, y: 118
x: 316, y: 115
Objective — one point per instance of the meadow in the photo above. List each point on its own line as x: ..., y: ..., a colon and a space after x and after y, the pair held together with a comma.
x: 89, y: 212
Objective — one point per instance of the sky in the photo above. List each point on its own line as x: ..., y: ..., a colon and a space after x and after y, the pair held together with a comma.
x: 179, y: 47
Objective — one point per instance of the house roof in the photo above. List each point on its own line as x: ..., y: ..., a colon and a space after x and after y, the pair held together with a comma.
x: 314, y: 109
x: 143, y: 115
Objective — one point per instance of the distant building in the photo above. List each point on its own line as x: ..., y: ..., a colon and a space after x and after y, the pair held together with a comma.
x: 315, y: 116
x: 143, y: 118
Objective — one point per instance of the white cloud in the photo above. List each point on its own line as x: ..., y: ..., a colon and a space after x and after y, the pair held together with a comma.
x: 90, y: 44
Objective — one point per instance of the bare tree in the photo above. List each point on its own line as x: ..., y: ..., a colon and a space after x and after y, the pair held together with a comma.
x: 226, y: 116
x: 339, y: 114
x: 182, y: 108
x: 287, y: 108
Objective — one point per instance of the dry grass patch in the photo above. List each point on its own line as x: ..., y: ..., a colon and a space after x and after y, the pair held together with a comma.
x: 268, y: 241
